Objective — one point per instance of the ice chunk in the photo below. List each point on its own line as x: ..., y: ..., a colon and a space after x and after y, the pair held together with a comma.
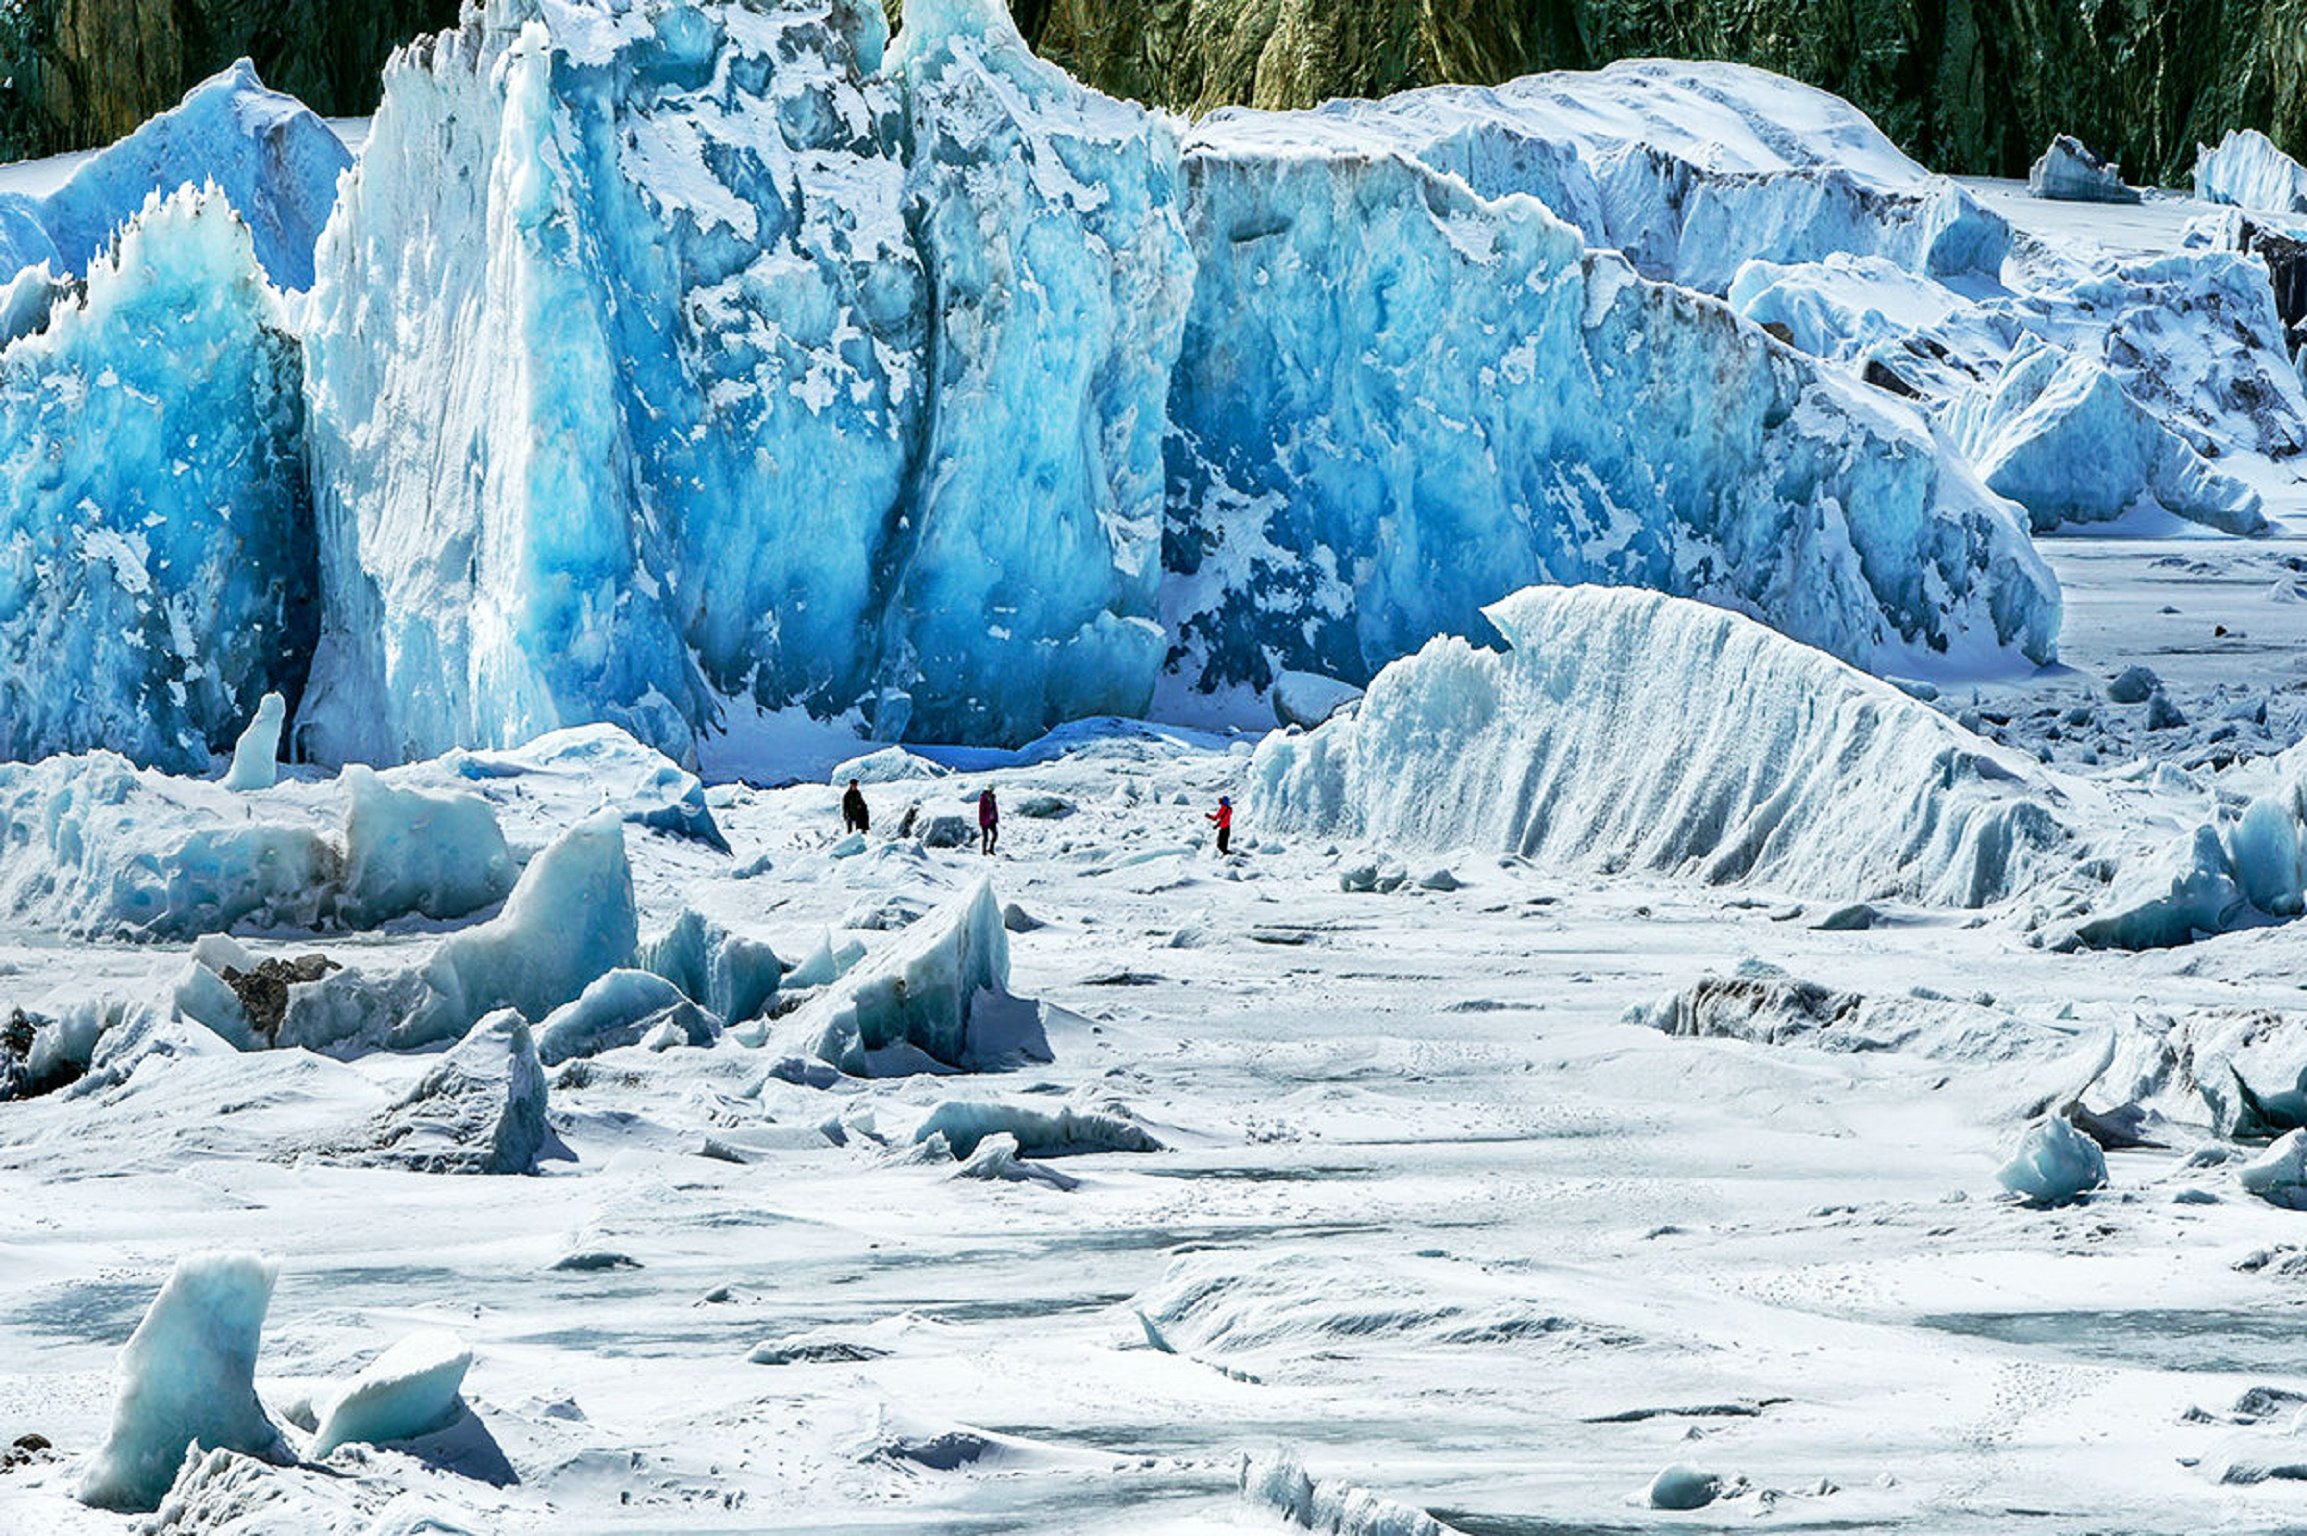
x: 937, y: 1000
x: 621, y: 1008
x: 890, y: 765
x: 2054, y: 1164
x: 160, y: 569
x: 480, y: 1110
x: 407, y: 851
x: 727, y: 973
x: 1629, y: 730
x: 274, y: 162
x: 962, y: 1124
x: 2172, y: 897
x: 1398, y: 402
x: 409, y: 1390
x: 188, y: 1376
x: 2059, y: 436
x: 256, y: 756
x: 569, y: 920
x: 2247, y: 170
x: 1306, y: 699
x: 2134, y: 685
x: 97, y: 847
x: 998, y: 1159
x: 649, y: 789
x: 1682, y: 1487
x: 2069, y: 172
x: 105, y: 849
x: 2279, y: 1175
x: 1278, y: 1483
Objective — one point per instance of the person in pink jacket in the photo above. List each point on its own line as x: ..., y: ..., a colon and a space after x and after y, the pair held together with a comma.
x: 988, y: 819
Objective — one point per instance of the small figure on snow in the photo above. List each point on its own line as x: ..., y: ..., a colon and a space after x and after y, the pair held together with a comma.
x: 855, y: 817
x: 988, y: 819
x: 1223, y: 816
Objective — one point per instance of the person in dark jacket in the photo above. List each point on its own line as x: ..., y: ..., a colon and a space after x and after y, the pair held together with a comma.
x: 1224, y: 817
x: 855, y: 817
x: 988, y: 819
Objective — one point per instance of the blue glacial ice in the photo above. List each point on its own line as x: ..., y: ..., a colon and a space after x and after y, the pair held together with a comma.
x: 2246, y: 170
x: 274, y: 161
x: 156, y: 555
x: 845, y: 381
x: 410, y: 1389
x: 188, y: 1376
x: 675, y: 483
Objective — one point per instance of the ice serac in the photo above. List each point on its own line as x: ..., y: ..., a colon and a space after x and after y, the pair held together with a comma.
x: 2246, y: 170
x: 2069, y: 172
x: 1689, y: 169
x: 1632, y: 731
x: 2058, y: 435
x: 188, y: 1376
x: 156, y: 549
x: 1048, y: 217
x: 615, y: 372
x: 273, y: 161
x: 1398, y: 402
x: 937, y: 1000
x: 569, y: 921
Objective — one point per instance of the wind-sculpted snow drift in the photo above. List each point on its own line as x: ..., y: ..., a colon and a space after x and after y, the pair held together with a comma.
x: 665, y: 362
x: 1630, y: 731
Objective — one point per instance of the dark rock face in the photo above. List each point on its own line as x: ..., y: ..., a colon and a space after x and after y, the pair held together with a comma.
x: 86, y: 72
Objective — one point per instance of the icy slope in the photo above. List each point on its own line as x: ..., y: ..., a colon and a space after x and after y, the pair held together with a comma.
x: 1690, y: 169
x: 678, y: 475
x: 156, y: 558
x: 1628, y: 731
x: 1398, y: 402
x: 275, y: 162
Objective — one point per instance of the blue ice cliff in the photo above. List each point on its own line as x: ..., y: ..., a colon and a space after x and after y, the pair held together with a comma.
x: 667, y: 362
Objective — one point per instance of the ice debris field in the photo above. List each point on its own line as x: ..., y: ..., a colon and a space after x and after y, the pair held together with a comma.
x: 1757, y: 983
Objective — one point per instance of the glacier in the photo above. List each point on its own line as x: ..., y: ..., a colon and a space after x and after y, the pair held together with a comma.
x: 1688, y: 169
x: 914, y: 385
x: 157, y: 566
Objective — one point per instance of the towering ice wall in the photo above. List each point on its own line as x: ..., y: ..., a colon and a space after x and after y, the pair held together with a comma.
x: 615, y: 372
x: 156, y: 559
x: 1048, y: 217
x: 1398, y: 401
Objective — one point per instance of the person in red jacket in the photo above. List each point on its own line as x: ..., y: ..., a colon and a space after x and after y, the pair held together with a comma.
x: 988, y: 819
x: 1224, y: 817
